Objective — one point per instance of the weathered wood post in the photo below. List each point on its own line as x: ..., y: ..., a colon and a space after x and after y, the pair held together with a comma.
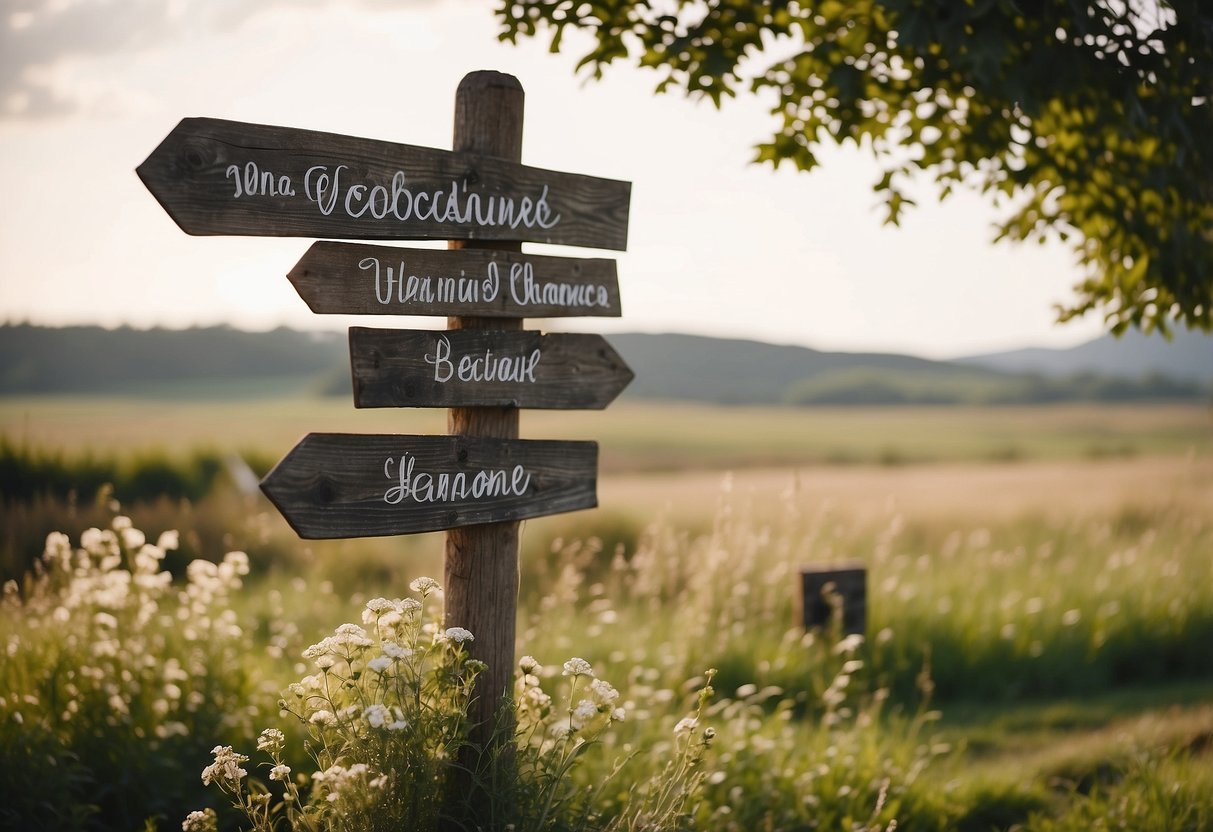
x: 481, y: 570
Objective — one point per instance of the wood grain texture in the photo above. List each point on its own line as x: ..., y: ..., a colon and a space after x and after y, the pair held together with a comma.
x: 420, y: 368
x: 225, y: 177
x: 352, y: 279
x: 340, y: 485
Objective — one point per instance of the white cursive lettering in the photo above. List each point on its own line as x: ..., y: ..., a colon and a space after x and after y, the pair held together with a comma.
x: 444, y: 487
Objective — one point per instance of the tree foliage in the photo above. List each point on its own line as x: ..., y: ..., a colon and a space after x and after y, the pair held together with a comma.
x: 1085, y: 120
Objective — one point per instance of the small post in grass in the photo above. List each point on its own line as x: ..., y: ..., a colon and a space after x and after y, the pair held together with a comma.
x: 837, y: 590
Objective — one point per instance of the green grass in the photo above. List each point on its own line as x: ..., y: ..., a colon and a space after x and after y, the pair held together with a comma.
x: 808, y: 732
x: 1057, y: 610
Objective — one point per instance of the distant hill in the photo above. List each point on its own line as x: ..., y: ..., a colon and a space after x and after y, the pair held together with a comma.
x: 729, y: 371
x: 698, y: 368
x: 1188, y: 356
x: 90, y: 359
x: 220, y: 362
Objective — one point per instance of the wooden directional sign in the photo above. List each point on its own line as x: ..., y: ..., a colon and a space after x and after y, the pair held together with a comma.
x: 227, y: 177
x: 484, y: 368
x: 336, y: 485
x: 353, y: 279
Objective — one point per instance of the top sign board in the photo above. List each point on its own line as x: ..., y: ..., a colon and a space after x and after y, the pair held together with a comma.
x: 226, y: 177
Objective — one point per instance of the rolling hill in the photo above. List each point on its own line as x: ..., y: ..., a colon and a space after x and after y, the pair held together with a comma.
x: 223, y: 362
x: 1188, y: 356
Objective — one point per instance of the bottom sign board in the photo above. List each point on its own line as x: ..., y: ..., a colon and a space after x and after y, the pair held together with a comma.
x: 339, y: 485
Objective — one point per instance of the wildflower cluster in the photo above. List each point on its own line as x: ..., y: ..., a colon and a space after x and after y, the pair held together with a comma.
x: 592, y: 705
x: 385, y: 709
x: 108, y: 662
x: 553, y: 738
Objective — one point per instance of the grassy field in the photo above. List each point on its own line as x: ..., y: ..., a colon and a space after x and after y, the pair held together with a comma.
x: 641, y: 436
x: 1039, y: 622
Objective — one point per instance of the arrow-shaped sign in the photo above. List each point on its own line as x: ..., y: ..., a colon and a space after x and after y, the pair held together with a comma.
x: 334, y: 485
x: 484, y: 368
x: 228, y: 177
x: 353, y: 279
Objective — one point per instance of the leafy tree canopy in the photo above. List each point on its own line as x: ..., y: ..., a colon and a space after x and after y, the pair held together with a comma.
x: 1087, y: 120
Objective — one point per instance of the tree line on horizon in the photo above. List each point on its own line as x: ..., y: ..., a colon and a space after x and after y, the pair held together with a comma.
x: 222, y: 362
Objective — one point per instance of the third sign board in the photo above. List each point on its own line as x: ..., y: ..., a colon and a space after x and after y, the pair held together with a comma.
x: 484, y: 368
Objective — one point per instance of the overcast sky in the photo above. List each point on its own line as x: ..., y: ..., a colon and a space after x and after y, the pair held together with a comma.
x: 716, y: 246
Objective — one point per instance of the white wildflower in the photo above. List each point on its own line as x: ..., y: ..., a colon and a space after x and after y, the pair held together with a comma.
x: 577, y: 667
x: 238, y: 561
x: 583, y: 713
x: 90, y: 539
x: 201, y: 821
x: 457, y: 635
x: 380, y: 605
x: 528, y: 665
x: 319, y: 649
x: 133, y: 538
x: 393, y: 650
x: 379, y: 663
x: 271, y: 739
x: 605, y: 691
x: 425, y: 586
x: 376, y: 715
x: 226, y: 770
x: 351, y: 631
x: 280, y: 772
x: 686, y: 725
x: 848, y: 644
x: 538, y: 700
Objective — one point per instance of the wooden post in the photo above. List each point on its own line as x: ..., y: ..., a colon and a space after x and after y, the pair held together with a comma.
x: 481, y: 573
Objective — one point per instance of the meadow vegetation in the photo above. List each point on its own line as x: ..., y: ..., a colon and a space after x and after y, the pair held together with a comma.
x: 1036, y: 657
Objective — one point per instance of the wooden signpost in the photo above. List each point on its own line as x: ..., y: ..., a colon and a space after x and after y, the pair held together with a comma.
x: 223, y: 177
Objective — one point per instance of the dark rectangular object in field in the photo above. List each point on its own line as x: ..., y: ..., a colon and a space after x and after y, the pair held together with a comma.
x: 353, y: 279
x: 336, y: 485
x: 226, y: 177
x: 843, y: 584
x: 484, y: 368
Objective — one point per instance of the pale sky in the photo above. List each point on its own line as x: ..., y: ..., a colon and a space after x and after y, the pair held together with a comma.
x: 717, y: 246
